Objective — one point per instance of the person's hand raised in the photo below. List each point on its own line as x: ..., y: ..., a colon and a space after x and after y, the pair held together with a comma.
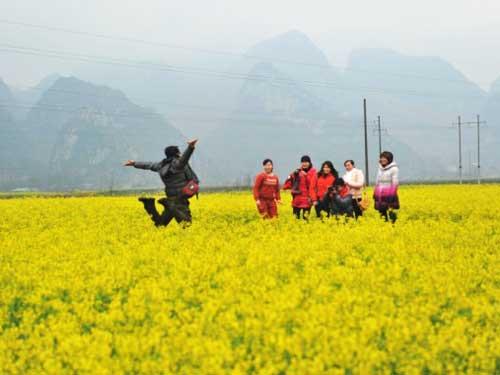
x: 129, y: 163
x: 192, y: 142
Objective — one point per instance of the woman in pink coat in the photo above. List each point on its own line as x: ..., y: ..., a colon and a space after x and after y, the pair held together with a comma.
x: 386, y: 188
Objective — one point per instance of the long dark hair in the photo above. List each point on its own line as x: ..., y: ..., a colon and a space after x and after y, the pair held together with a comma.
x: 332, y: 168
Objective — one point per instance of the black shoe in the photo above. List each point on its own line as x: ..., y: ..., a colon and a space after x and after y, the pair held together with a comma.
x: 146, y: 200
x: 149, y: 205
x: 150, y: 208
x: 163, y: 202
x: 393, y: 217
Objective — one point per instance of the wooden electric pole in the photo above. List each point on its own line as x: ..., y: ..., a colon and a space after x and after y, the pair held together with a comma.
x: 379, y: 130
x: 478, y: 124
x: 460, y: 148
x: 367, y: 172
x: 379, y: 136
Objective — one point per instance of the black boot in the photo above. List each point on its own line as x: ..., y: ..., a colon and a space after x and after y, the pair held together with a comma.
x: 393, y: 216
x: 383, y: 215
x: 163, y: 202
x: 149, y: 206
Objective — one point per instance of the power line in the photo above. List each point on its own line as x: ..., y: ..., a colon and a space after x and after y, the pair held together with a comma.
x: 64, y: 108
x: 218, y: 52
x: 63, y: 55
x: 477, y: 124
x: 177, y: 104
x: 143, y: 99
x: 460, y: 148
x: 366, y: 142
x: 143, y: 113
x: 87, y: 110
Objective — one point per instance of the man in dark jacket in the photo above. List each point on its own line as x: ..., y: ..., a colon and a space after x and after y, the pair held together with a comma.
x: 341, y: 202
x: 175, y: 173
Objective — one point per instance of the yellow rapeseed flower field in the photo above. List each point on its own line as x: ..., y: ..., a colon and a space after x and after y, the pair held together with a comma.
x: 90, y: 286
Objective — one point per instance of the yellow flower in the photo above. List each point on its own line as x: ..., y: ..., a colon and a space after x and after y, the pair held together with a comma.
x: 89, y: 285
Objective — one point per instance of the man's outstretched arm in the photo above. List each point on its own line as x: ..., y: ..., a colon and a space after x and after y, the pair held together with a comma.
x: 186, y: 155
x: 155, y: 167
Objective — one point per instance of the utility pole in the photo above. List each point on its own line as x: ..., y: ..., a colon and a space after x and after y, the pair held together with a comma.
x: 378, y: 130
x: 379, y: 136
x: 460, y: 148
x: 367, y: 172
x: 478, y: 124
x: 478, y: 150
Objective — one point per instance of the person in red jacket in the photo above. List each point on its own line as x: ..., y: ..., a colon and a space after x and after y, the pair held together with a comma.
x: 299, y: 182
x: 266, y: 191
x: 325, y: 178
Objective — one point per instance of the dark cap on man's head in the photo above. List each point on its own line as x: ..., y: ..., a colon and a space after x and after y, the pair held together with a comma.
x: 306, y: 158
x: 172, y: 151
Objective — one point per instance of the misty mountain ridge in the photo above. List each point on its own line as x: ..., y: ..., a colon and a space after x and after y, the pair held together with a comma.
x: 285, y: 103
x: 277, y: 94
x: 495, y: 87
x: 79, y: 134
x: 292, y: 122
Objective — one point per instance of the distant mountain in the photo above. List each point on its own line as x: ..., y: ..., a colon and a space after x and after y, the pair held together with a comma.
x: 195, y: 91
x: 414, y: 80
x: 281, y: 99
x: 27, y: 97
x: 492, y: 105
x: 60, y: 102
x: 189, y: 93
x: 291, y: 46
x: 14, y: 151
x: 284, y: 123
x: 7, y: 102
x: 47, y: 82
x: 418, y: 99
x: 294, y: 54
x: 81, y: 133
x: 491, y: 132
x: 268, y: 96
x: 495, y: 87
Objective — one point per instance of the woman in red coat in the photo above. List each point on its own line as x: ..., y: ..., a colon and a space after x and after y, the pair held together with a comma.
x: 299, y: 182
x: 325, y: 179
x: 266, y: 191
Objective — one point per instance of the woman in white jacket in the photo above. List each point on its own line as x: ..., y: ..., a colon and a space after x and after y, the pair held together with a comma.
x: 355, y: 179
x: 386, y: 188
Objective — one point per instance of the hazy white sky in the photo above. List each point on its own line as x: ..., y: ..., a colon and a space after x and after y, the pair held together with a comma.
x: 464, y: 32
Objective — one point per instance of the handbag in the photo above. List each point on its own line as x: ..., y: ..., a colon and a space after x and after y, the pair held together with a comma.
x: 364, y: 204
x: 192, y: 186
x: 190, y: 189
x: 296, y: 184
